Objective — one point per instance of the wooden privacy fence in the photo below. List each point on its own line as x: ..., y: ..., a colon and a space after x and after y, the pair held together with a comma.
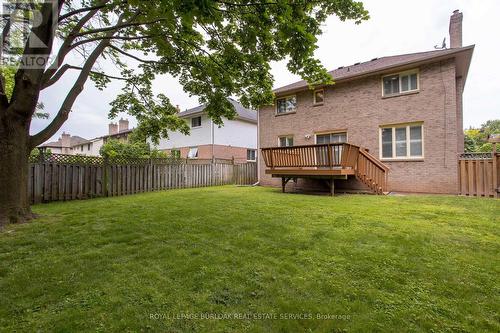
x: 479, y: 174
x: 60, y: 177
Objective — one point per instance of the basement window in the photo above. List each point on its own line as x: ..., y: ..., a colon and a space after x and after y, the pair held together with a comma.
x: 251, y: 155
x: 193, y: 152
x: 400, y: 83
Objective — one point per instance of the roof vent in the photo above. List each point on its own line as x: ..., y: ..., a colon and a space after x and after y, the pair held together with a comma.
x: 357, y: 63
x: 374, y: 59
x: 340, y: 67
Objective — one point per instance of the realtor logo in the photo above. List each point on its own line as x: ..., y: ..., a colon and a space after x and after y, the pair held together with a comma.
x: 19, y: 20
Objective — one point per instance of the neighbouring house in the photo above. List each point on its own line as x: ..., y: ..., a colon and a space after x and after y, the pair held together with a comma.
x: 75, y: 145
x: 117, y: 131
x: 400, y: 116
x: 63, y: 145
x: 236, y: 139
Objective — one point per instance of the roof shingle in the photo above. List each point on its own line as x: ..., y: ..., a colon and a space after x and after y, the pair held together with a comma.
x: 74, y: 140
x: 241, y: 112
x: 376, y: 65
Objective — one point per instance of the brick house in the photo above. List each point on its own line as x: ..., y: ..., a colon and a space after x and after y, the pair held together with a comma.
x: 405, y: 110
x: 236, y: 139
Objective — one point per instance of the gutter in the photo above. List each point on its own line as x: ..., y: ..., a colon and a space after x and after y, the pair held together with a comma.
x: 381, y: 70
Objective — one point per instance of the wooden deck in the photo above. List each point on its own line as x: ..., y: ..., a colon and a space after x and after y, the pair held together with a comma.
x: 310, y: 172
x: 326, y: 161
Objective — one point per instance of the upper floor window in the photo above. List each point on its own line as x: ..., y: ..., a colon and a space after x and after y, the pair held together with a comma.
x: 318, y: 97
x: 196, y: 122
x: 338, y: 137
x: 286, y: 141
x: 400, y: 83
x: 286, y: 104
x: 402, y: 142
x: 81, y: 148
x: 251, y: 155
x: 88, y: 146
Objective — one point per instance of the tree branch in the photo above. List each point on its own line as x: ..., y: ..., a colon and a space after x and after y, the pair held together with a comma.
x: 55, y: 77
x: 250, y: 4
x: 65, y: 67
x: 28, y: 79
x: 5, y: 34
x: 63, y: 113
x: 80, y: 10
x: 116, y: 28
x: 146, y: 61
x: 66, y: 46
x: 95, y: 39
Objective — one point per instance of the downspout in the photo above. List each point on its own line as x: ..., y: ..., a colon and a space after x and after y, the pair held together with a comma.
x: 213, y: 141
x: 258, y: 147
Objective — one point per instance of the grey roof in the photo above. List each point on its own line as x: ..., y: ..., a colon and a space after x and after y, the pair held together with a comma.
x: 241, y: 112
x: 116, y: 134
x: 74, y: 140
x: 387, y: 63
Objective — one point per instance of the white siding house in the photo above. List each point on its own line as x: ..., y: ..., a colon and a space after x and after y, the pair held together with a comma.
x: 235, y: 139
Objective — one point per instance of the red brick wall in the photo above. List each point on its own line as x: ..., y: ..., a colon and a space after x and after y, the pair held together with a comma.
x: 358, y: 107
x: 219, y: 151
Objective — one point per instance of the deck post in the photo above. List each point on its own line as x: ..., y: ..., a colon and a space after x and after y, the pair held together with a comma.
x: 330, y: 160
x: 283, y: 184
x: 332, y: 187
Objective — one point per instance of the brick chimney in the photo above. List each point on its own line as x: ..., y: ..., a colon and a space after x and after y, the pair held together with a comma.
x: 65, y: 140
x: 113, y: 128
x: 122, y: 125
x: 456, y: 29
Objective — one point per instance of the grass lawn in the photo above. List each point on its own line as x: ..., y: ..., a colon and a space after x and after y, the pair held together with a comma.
x: 254, y: 259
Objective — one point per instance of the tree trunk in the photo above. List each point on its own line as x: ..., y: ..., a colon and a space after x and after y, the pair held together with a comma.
x: 14, y: 153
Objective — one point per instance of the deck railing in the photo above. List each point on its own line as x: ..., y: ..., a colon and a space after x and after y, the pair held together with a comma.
x: 366, y: 167
x: 331, y: 155
x: 372, y: 172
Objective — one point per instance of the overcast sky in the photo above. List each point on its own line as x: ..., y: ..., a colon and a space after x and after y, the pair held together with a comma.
x: 395, y: 27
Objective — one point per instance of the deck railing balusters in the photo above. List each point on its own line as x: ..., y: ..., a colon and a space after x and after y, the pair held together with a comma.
x: 366, y: 167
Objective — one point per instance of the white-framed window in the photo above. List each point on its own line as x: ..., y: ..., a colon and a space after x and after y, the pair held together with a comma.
x: 318, y: 96
x: 398, y: 83
x: 285, y: 141
x: 334, y: 137
x: 193, y: 152
x: 405, y: 141
x: 196, y: 122
x: 251, y: 155
x: 286, y: 104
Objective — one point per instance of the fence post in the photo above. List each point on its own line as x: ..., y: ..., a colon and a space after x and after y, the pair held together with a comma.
x: 41, y: 155
x: 233, y: 180
x: 105, y: 176
x: 494, y: 158
x: 150, y: 185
